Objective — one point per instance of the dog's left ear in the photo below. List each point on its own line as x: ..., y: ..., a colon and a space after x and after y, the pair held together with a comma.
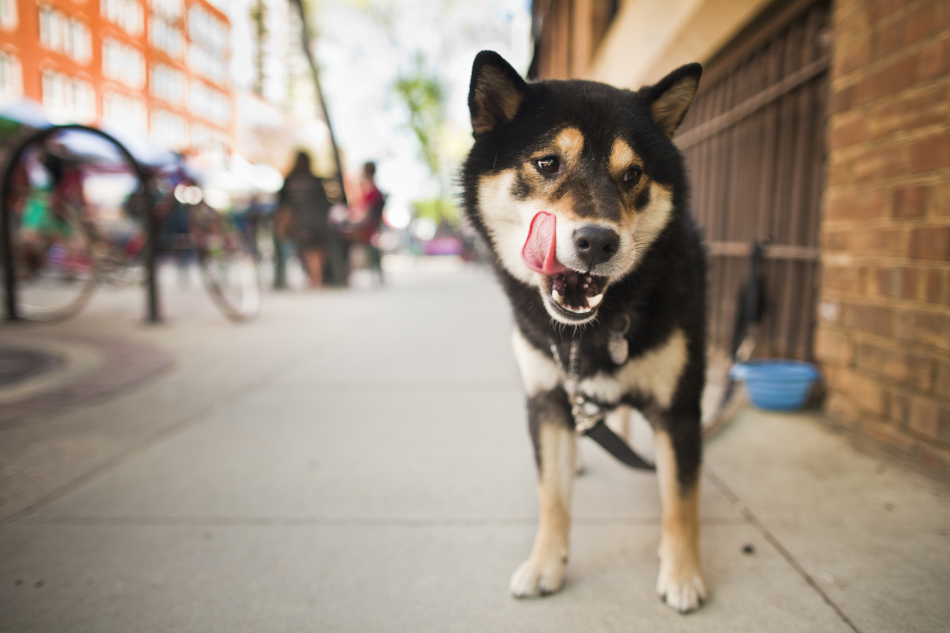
x: 670, y: 98
x: 496, y: 92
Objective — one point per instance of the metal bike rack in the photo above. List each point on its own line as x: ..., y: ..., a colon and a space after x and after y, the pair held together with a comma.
x: 6, y: 218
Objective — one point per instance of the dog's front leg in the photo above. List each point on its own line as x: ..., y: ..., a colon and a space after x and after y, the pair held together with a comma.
x: 680, y: 583
x: 555, y: 451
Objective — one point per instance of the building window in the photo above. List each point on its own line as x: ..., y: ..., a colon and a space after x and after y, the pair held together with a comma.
x: 209, y: 104
x: 124, y: 112
x: 168, y: 129
x: 168, y: 9
x: 11, y: 78
x: 206, y: 63
x: 8, y: 15
x: 123, y: 63
x: 165, y: 37
x: 166, y: 83
x: 64, y: 34
x: 209, y: 43
x: 127, y: 14
x: 67, y: 98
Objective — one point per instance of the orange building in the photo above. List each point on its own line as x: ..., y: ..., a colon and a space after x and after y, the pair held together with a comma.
x: 157, y: 68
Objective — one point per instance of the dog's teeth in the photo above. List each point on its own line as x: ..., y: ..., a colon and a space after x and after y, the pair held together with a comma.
x: 557, y: 296
x: 595, y: 300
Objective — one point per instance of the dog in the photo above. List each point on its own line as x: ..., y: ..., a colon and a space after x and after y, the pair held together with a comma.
x: 582, y: 197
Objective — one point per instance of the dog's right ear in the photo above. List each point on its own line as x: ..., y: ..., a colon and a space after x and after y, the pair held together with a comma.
x: 496, y: 92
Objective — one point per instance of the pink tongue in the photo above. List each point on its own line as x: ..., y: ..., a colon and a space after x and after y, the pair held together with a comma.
x: 538, y: 252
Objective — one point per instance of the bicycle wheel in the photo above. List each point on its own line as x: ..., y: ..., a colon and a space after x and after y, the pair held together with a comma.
x: 53, y: 261
x: 228, y: 265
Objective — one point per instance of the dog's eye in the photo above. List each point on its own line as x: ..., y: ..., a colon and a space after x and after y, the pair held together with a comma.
x: 632, y: 175
x: 548, y: 164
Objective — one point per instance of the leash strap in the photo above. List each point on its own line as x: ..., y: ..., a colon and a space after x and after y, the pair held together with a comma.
x: 589, y: 416
x: 616, y: 446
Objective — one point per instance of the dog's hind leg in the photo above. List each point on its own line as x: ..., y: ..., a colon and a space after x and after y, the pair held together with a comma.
x: 555, y: 450
x: 680, y: 583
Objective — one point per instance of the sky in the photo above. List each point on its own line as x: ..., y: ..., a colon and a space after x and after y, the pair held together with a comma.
x: 362, y: 47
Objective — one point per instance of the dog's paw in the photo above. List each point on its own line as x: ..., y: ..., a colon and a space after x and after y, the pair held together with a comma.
x: 533, y: 579
x: 682, y: 589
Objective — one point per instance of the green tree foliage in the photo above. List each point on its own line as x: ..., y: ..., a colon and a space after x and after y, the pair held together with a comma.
x: 423, y: 94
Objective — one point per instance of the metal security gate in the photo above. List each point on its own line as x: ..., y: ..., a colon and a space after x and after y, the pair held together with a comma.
x: 754, y: 141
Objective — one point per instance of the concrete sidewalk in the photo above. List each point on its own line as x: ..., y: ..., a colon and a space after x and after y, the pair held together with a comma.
x: 359, y: 461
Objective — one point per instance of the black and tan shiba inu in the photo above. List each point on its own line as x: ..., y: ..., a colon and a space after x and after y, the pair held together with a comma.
x: 582, y: 197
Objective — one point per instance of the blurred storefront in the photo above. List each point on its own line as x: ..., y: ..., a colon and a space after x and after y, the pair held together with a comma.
x: 824, y: 127
x: 209, y: 78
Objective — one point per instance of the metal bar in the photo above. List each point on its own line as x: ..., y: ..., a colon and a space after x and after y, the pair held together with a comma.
x: 153, y: 231
x: 6, y: 227
x: 744, y: 109
x: 6, y: 243
x: 773, y: 251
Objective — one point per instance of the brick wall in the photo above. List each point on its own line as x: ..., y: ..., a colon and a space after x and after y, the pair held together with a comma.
x: 884, y: 324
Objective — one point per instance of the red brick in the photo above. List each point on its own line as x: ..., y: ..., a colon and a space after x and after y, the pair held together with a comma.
x: 930, y: 418
x: 888, y: 80
x: 864, y: 205
x: 878, y: 164
x: 883, y: 242
x: 910, y: 202
x: 920, y: 22
x: 932, y: 152
x: 909, y: 112
x: 843, y: 278
x: 833, y: 346
x: 897, y: 365
x: 833, y: 241
x: 889, y: 436
x: 939, y: 199
x: 850, y: 19
x: 891, y: 38
x: 879, y: 320
x: 933, y: 60
x: 925, y: 328
x: 843, y: 100
x: 931, y: 242
x: 845, y: 133
x: 918, y: 284
x: 942, y: 384
x: 898, y: 408
x: 881, y: 9
x: 941, y: 15
x: 867, y: 394
x: 887, y: 282
x: 856, y: 54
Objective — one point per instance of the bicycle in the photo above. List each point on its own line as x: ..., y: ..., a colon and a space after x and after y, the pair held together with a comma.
x: 75, y: 209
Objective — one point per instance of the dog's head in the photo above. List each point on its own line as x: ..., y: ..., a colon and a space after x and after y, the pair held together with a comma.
x: 572, y: 181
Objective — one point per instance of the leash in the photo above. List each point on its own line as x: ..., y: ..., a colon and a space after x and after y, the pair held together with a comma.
x: 589, y: 416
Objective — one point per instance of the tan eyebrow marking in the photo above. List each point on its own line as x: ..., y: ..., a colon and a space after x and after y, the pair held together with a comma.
x: 621, y: 157
x: 571, y: 142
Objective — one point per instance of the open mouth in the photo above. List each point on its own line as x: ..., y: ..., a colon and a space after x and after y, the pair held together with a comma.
x: 577, y: 294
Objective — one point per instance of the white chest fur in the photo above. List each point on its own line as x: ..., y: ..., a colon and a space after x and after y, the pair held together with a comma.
x: 654, y: 374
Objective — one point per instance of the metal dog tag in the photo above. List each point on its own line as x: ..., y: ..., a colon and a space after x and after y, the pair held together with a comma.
x: 618, y: 348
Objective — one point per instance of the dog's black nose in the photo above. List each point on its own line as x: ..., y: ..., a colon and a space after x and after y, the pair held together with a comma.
x: 595, y: 244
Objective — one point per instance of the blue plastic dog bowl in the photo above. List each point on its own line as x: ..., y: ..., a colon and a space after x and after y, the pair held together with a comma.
x: 776, y: 385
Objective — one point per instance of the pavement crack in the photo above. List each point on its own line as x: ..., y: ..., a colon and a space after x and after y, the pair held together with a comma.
x: 743, y: 509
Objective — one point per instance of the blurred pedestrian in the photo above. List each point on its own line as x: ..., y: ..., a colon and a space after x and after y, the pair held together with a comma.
x: 368, y: 215
x: 302, y: 218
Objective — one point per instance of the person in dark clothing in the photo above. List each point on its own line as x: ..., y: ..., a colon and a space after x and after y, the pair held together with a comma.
x: 303, y: 211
